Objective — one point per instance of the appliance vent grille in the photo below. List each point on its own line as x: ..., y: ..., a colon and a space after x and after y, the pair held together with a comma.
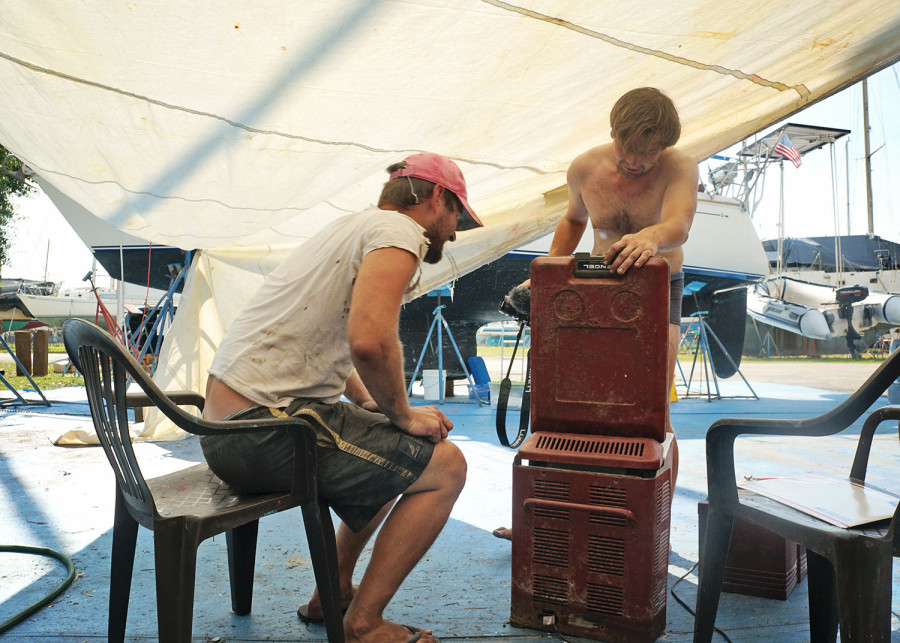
x: 550, y: 513
x: 550, y: 589
x: 551, y: 489
x: 661, y: 555
x: 659, y: 595
x: 605, y: 446
x: 606, y: 519
x: 608, y: 496
x: 663, y: 503
x: 605, y: 599
x: 606, y: 555
x: 551, y: 547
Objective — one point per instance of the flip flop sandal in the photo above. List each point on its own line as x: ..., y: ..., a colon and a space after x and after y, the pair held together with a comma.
x: 303, y: 614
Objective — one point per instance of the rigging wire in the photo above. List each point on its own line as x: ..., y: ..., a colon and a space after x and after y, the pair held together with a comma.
x: 838, y: 251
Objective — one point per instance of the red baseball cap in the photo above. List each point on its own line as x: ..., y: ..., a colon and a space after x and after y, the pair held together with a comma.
x: 442, y: 171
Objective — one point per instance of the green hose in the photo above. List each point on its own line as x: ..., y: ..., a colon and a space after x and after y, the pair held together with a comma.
x: 40, y: 551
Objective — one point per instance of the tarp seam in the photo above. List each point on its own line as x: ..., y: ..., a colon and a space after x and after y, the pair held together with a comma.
x: 679, y: 60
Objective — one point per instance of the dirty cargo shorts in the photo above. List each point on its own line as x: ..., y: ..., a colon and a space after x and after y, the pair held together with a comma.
x: 364, y: 460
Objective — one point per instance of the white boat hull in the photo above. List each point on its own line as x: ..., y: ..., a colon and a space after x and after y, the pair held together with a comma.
x: 54, y: 309
x: 82, y: 303
x: 723, y: 243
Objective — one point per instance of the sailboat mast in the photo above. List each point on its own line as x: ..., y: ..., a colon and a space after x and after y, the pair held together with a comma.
x: 865, y: 107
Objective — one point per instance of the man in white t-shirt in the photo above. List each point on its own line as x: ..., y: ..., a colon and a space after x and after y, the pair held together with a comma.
x: 325, y: 324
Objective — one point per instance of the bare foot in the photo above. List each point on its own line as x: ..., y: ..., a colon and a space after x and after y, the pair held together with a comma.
x: 388, y: 632
x: 312, y: 611
x: 503, y: 532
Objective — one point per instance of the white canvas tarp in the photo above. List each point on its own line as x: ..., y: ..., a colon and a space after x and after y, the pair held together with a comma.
x: 239, y: 128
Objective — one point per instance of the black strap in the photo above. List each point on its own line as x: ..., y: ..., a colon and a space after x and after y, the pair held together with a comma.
x: 503, y: 399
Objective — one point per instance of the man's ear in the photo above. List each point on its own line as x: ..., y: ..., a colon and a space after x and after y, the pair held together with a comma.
x: 437, y: 193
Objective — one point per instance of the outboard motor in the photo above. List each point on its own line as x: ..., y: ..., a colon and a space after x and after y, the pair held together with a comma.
x: 845, y: 298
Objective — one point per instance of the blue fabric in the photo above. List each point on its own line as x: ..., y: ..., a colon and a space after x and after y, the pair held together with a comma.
x: 478, y: 370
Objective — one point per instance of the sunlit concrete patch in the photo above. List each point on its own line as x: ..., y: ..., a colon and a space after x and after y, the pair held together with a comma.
x: 62, y: 498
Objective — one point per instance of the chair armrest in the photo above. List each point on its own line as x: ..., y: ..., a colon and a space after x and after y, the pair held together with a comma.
x: 861, y: 459
x: 721, y: 435
x: 181, y: 398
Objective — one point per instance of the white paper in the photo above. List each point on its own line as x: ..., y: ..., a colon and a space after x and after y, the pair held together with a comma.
x: 840, y: 502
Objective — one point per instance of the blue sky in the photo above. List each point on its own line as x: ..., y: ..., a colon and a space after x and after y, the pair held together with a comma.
x: 809, y: 209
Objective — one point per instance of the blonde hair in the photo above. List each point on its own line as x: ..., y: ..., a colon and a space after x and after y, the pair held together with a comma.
x: 644, y: 117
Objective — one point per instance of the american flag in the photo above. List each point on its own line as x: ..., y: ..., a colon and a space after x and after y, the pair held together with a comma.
x: 785, y: 148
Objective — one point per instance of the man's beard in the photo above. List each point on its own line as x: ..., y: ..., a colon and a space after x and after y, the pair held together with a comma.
x: 435, y: 250
x: 631, y: 175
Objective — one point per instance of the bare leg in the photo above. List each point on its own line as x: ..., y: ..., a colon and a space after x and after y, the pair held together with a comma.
x: 674, y: 338
x: 349, y: 548
x: 409, y: 530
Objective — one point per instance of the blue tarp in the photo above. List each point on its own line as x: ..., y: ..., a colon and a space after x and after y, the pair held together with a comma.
x: 860, y: 252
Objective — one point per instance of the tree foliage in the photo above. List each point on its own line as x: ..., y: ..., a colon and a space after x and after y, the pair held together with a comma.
x: 9, y: 187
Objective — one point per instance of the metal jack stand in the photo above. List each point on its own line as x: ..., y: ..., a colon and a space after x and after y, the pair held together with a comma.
x: 146, y: 341
x: 19, y: 399
x: 704, y: 332
x: 440, y: 323
x: 768, y: 345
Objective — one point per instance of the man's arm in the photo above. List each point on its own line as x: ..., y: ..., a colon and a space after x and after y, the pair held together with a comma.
x: 676, y: 216
x: 356, y: 392
x: 375, y: 342
x: 571, y: 226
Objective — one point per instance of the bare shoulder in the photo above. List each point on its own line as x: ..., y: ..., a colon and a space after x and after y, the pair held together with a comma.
x: 677, y: 164
x: 588, y: 161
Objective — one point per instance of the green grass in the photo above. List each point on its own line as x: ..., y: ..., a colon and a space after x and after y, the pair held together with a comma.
x: 45, y: 382
x: 865, y: 357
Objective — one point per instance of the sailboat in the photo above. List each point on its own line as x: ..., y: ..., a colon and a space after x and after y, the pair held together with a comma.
x: 844, y: 260
x: 54, y: 308
x: 816, y: 304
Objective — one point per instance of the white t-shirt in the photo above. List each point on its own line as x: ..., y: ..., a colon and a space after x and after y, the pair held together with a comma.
x: 291, y: 339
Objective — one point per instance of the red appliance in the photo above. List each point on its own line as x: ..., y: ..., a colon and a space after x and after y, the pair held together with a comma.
x: 592, y: 485
x: 598, y: 363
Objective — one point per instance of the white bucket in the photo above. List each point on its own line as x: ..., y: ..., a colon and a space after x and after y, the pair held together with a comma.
x: 432, y: 384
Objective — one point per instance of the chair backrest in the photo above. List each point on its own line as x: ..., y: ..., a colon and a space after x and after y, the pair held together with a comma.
x: 106, y: 365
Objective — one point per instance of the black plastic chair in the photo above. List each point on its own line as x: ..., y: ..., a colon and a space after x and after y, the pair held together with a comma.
x: 185, y: 508
x: 849, y: 570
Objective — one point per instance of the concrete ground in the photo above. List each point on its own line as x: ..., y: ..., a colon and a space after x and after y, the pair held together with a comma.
x: 62, y: 498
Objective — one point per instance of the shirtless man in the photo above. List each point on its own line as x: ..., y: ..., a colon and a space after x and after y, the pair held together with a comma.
x: 639, y: 195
